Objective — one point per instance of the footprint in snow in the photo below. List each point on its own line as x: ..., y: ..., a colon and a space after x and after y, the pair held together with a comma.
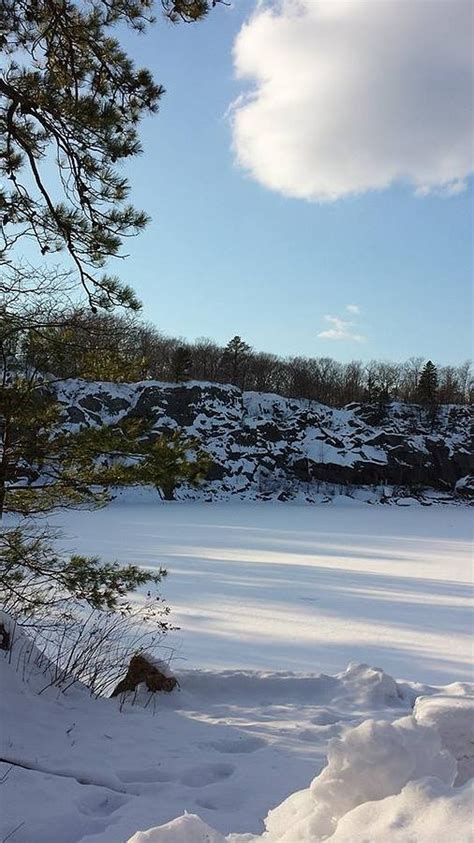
x: 234, y: 746
x: 325, y: 718
x: 315, y: 735
x: 221, y: 798
x: 100, y: 804
x: 143, y: 775
x: 205, y: 774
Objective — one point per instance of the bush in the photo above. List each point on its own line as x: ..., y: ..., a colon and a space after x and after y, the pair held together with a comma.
x: 79, y: 611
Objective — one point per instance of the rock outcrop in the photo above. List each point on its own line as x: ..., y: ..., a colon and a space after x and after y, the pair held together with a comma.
x: 264, y: 446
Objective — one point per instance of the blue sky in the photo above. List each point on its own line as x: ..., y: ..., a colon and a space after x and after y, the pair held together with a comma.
x: 227, y: 255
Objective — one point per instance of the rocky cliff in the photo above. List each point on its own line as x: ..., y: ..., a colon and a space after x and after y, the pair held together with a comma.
x: 264, y: 446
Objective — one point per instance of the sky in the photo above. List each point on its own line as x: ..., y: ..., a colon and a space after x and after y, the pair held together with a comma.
x: 308, y: 179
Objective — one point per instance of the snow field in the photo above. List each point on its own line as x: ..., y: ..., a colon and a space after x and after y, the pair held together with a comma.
x: 302, y: 588
x: 271, y: 738
x: 227, y: 747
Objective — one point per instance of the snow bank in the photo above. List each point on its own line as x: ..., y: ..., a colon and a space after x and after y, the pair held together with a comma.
x: 372, y: 761
x: 453, y: 718
x: 187, y: 829
x: 359, y: 686
x: 424, y: 811
x: 383, y: 781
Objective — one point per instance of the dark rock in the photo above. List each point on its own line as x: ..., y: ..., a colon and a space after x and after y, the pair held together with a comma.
x: 464, y: 487
x: 216, y: 472
x: 281, y: 439
x: 75, y: 415
x: 383, y: 438
x: 91, y: 402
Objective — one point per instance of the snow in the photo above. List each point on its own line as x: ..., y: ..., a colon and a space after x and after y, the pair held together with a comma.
x: 322, y: 452
x: 465, y: 484
x: 383, y: 781
x: 302, y: 588
x: 187, y: 829
x: 287, y: 444
x: 227, y: 746
x: 372, y: 761
x: 374, y: 454
x: 425, y: 811
x: 274, y: 601
x: 453, y: 717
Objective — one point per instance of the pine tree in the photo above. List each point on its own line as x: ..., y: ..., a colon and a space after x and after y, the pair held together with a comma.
x: 235, y: 356
x: 44, y: 466
x: 181, y: 364
x: 71, y: 101
x: 428, y: 384
x: 35, y: 578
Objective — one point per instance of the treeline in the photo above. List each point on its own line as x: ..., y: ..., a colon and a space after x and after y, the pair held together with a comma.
x: 121, y: 348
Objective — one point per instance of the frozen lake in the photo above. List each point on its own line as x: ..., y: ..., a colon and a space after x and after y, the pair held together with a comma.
x: 301, y: 588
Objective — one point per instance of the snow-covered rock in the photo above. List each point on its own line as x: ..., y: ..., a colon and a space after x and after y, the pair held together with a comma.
x: 465, y: 486
x: 264, y: 446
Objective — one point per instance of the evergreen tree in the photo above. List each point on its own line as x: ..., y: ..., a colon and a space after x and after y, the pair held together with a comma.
x: 44, y: 466
x: 428, y: 384
x: 181, y: 364
x: 236, y: 354
x: 35, y: 578
x: 71, y: 101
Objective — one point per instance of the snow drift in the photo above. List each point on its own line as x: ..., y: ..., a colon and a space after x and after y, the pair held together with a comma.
x: 226, y: 747
x: 383, y: 781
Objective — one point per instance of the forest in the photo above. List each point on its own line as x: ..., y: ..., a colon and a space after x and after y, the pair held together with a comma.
x: 121, y: 347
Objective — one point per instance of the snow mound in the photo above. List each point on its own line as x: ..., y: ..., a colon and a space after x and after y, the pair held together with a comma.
x: 186, y: 829
x: 453, y: 718
x: 383, y: 781
x: 372, y: 761
x: 425, y: 811
x: 370, y: 686
x: 31, y: 666
x: 360, y: 686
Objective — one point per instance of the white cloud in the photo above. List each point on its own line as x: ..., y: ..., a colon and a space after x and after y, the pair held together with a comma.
x: 353, y: 95
x: 353, y: 308
x: 341, y: 330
